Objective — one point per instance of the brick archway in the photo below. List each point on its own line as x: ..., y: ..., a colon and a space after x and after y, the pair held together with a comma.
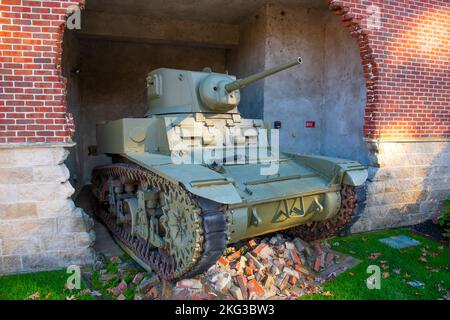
x: 367, y: 59
x: 348, y: 20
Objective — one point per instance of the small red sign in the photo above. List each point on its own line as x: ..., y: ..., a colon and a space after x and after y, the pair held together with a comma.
x: 310, y: 124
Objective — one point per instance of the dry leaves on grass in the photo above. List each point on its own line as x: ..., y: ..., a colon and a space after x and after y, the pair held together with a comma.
x: 374, y: 255
x: 34, y: 296
x: 423, y: 259
x: 328, y: 294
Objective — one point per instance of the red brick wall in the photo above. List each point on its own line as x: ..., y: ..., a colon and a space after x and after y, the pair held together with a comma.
x: 406, y: 64
x: 32, y: 90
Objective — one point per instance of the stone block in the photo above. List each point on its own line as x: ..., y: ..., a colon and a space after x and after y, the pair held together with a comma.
x: 432, y: 147
x: 403, y: 185
x: 16, y: 175
x: 8, y: 193
x: 393, y: 148
x: 33, y: 157
x: 427, y: 207
x: 73, y: 256
x: 10, y: 264
x: 394, y: 198
x: 57, y: 173
x: 7, y: 230
x: 77, y: 222
x: 45, y: 191
x: 361, y: 225
x: 388, y: 173
x: 45, y: 261
x: 55, y: 208
x: 19, y: 210
x: 8, y: 158
x: 375, y: 187
x: 21, y: 246
x: 35, y: 227
x: 419, y: 218
x: 57, y: 242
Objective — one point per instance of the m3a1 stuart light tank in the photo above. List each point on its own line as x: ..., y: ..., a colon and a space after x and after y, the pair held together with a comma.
x: 175, y: 210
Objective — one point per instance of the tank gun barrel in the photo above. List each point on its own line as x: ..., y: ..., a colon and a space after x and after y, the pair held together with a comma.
x: 241, y: 83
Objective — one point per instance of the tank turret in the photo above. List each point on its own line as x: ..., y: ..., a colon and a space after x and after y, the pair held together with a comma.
x: 179, y: 91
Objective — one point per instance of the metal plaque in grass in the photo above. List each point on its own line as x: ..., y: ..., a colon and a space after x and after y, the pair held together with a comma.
x: 400, y: 242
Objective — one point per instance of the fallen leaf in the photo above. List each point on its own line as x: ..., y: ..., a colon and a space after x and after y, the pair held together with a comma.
x: 351, y: 274
x: 34, y: 296
x: 96, y: 293
x: 386, y: 275
x: 374, y: 255
x: 384, y: 266
x: 328, y: 294
x: 84, y: 292
x: 48, y: 295
x: 434, y: 254
x: 396, y: 271
x: 423, y: 259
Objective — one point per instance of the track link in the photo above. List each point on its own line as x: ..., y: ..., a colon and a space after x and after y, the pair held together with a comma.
x: 213, y: 222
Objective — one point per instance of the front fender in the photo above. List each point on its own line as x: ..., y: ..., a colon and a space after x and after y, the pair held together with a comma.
x: 339, y: 171
x: 196, y: 178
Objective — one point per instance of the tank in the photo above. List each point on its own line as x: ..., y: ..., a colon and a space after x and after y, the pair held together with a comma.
x: 192, y: 176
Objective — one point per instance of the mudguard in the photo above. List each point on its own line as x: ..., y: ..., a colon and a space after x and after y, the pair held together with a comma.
x: 197, y: 179
x: 339, y: 171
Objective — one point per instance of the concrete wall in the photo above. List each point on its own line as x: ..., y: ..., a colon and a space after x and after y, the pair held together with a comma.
x: 328, y: 88
x: 112, y: 85
x: 344, y: 95
x: 249, y: 58
x: 295, y: 95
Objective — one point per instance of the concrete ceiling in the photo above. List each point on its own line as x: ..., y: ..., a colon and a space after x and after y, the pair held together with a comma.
x: 220, y: 11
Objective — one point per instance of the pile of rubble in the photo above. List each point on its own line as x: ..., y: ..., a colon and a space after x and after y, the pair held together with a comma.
x: 277, y: 267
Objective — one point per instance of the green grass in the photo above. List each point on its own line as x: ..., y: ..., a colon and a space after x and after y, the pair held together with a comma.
x: 48, y: 285
x: 351, y: 285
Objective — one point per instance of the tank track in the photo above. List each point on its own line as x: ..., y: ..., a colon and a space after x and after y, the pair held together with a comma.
x: 325, y: 229
x: 210, y: 245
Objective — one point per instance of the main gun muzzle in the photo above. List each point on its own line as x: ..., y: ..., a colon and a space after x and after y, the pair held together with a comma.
x: 241, y: 83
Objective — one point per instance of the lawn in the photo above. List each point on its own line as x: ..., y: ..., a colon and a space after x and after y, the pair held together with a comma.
x: 39, y: 286
x: 426, y: 263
